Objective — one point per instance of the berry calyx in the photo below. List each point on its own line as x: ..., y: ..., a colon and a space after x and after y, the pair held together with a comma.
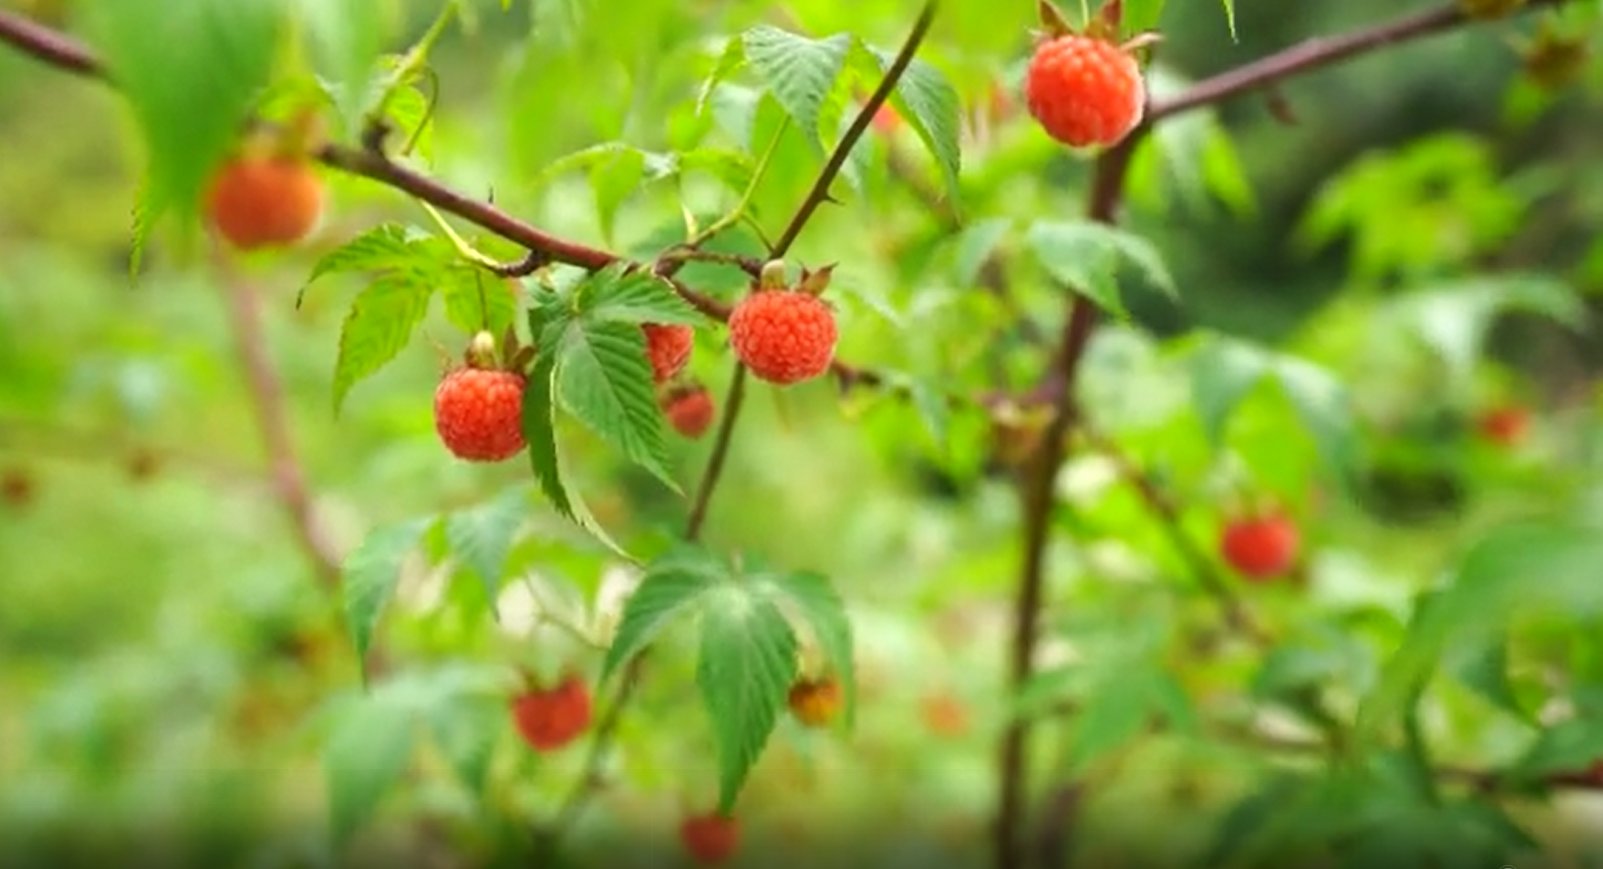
x: 689, y: 410
x: 258, y: 200
x: 1260, y: 547
x: 1084, y: 91
x: 668, y: 348
x: 710, y: 838
x: 815, y: 702
x: 549, y: 719
x: 478, y: 413
x: 1504, y: 426
x: 783, y: 336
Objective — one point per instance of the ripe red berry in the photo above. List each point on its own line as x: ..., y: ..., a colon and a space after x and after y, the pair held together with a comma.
x: 478, y: 413
x: 689, y: 410
x: 258, y: 200
x: 783, y: 336
x: 549, y: 719
x: 1084, y: 91
x: 1504, y: 426
x: 886, y: 120
x: 668, y: 348
x: 815, y: 702
x: 1260, y: 548
x: 710, y: 838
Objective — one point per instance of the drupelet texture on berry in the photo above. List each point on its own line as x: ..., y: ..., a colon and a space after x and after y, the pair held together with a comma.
x: 547, y: 720
x: 1084, y: 91
x: 258, y: 200
x: 668, y: 348
x: 783, y: 336
x: 689, y: 410
x: 478, y: 413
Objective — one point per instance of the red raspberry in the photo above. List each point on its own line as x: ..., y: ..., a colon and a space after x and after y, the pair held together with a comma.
x: 783, y: 336
x: 815, y: 703
x: 548, y: 720
x: 689, y: 410
x: 710, y: 838
x: 1084, y: 91
x: 1260, y: 548
x: 945, y: 715
x: 479, y: 413
x: 668, y: 348
x: 263, y: 200
x: 1504, y: 426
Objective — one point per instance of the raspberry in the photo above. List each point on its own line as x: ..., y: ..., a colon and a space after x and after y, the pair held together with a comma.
x: 815, y: 703
x: 689, y: 410
x: 547, y: 720
x: 1084, y: 91
x: 886, y: 120
x: 263, y: 200
x: 479, y: 413
x: 710, y: 838
x: 668, y: 348
x: 1504, y: 426
x: 1260, y: 548
x: 945, y: 715
x: 783, y: 336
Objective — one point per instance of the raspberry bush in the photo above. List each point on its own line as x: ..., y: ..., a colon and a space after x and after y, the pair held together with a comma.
x: 613, y: 433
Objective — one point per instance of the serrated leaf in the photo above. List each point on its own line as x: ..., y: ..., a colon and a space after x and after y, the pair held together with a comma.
x: 975, y: 244
x: 733, y: 168
x: 367, y: 752
x: 381, y: 248
x: 482, y: 536
x: 189, y: 72
x: 670, y: 589
x: 378, y: 327
x: 1517, y: 569
x: 1086, y: 256
x: 475, y: 300
x: 824, y: 612
x: 1223, y: 371
x: 465, y: 732
x: 348, y: 36
x: 798, y: 71
x: 604, y: 380
x: 745, y: 669
x: 929, y: 104
x: 636, y: 297
x: 369, y: 575
x: 731, y: 59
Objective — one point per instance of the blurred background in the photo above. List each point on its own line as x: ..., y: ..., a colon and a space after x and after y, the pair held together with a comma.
x: 1420, y: 223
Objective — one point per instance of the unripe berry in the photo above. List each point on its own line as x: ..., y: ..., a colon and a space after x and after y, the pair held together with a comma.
x: 1084, y: 91
x: 1260, y: 548
x: 549, y: 719
x: 815, y: 703
x: 668, y: 348
x: 710, y: 838
x: 262, y: 200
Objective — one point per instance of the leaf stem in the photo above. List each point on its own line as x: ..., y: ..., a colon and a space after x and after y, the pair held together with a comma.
x: 737, y: 213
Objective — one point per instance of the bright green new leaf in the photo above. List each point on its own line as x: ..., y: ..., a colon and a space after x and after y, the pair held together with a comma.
x: 821, y: 607
x: 1230, y: 17
x: 348, y: 36
x: 378, y: 327
x: 372, y: 742
x: 1142, y: 15
x: 730, y: 60
x: 189, y: 72
x: 745, y: 669
x: 671, y: 587
x: 613, y: 180
x: 369, y: 575
x: 476, y: 300
x: 384, y: 247
x: 635, y: 297
x: 604, y: 380
x: 798, y: 71
x: 482, y: 536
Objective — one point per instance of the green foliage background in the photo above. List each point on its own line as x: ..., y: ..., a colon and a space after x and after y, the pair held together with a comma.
x: 1350, y: 292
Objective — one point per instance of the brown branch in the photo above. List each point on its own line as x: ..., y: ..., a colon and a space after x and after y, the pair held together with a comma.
x: 267, y: 399
x: 1313, y: 54
x: 720, y: 452
x: 50, y: 46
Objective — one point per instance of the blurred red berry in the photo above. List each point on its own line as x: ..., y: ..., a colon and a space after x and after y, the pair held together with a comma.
x: 710, y: 838
x: 1260, y: 548
x: 549, y: 719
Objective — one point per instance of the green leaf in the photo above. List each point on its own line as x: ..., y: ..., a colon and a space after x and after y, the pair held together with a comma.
x: 1086, y: 255
x: 381, y: 321
x: 475, y: 300
x: 1570, y: 746
x: 381, y: 248
x: 604, y: 379
x: 482, y: 536
x: 1112, y: 716
x: 1454, y: 318
x: 369, y: 575
x: 746, y: 666
x: 1223, y: 371
x: 1485, y: 671
x: 189, y: 72
x: 933, y: 411
x: 730, y: 60
x: 1529, y: 567
x: 821, y: 608
x: 1230, y: 17
x: 671, y: 586
x: 348, y: 36
x: 798, y: 71
x: 635, y: 297
x: 929, y: 104
x: 1142, y: 15
x: 465, y: 732
x: 975, y: 244
x: 1322, y: 404
x: 367, y: 752
x: 613, y: 180
x: 539, y: 432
